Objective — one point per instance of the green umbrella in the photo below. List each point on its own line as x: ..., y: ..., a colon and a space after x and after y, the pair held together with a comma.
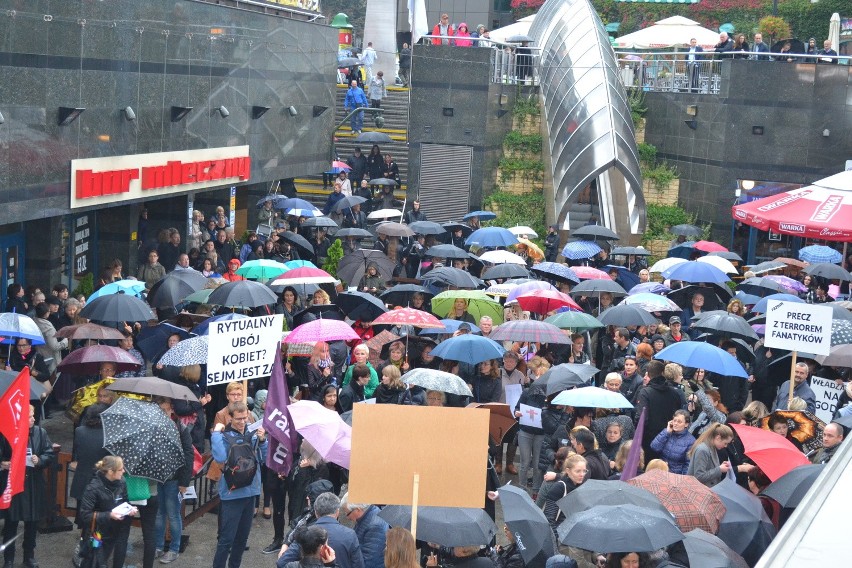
x: 199, y: 297
x: 478, y: 304
x: 261, y: 269
x: 577, y: 321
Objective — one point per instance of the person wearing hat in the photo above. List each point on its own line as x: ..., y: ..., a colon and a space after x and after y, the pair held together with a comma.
x: 675, y: 333
x: 551, y: 244
x: 231, y: 274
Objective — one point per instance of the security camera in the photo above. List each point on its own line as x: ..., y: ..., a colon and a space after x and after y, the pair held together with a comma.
x: 128, y: 113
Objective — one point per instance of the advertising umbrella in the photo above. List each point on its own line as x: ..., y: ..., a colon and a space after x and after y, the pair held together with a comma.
x: 595, y: 492
x: 491, y: 237
x: 324, y: 430
x: 705, y: 550
x: 144, y: 437
x: 501, y: 419
x: 696, y: 272
x: 745, y: 527
x: 555, y: 272
x: 131, y: 287
x: 242, y: 294
x: 360, y: 306
x: 114, y: 308
x: 153, y: 386
x: 153, y: 340
x: 772, y: 453
x: 87, y: 360
x: 449, y: 327
x: 575, y: 321
x: 469, y: 348
x: 402, y: 294
x: 828, y: 271
x: 566, y: 376
x: 702, y: 356
x: 37, y: 389
x: 546, y: 301
x: 690, y: 501
x: 448, y: 252
x: 592, y: 397
x: 589, y: 273
x: 409, y: 316
x: 261, y: 269
x: 578, y: 250
x: 619, y: 528
x: 393, y: 229
x: 353, y: 266
x: 760, y: 306
x: 626, y: 315
x: 482, y: 215
x: 89, y: 331
x: 790, y: 488
x: 531, y: 331
x: 819, y: 254
x: 192, y: 351
x: 431, y: 379
x: 427, y: 228
x: 321, y: 330
x: 501, y: 257
x: 726, y: 325
x: 447, y: 526
x: 174, y: 287
x: 478, y: 304
x: 595, y: 232
x: 505, y: 271
x: 666, y: 264
x: 686, y: 230
x: 529, y: 525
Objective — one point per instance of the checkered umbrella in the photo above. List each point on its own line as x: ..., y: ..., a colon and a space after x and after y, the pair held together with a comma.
x: 819, y: 253
x: 144, y: 437
x: 581, y: 249
x: 691, y: 502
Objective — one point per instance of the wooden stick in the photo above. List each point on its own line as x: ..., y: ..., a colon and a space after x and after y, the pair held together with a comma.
x: 792, y: 376
x: 245, y: 391
x: 414, y: 505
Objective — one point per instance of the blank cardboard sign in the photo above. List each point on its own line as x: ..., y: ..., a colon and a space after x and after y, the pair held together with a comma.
x: 448, y: 447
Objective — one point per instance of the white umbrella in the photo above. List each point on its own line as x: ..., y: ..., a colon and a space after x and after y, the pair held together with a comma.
x: 501, y: 257
x: 521, y: 27
x: 385, y: 214
x: 834, y: 31
x: 522, y: 230
x: 676, y: 31
x: 665, y: 264
x: 722, y: 264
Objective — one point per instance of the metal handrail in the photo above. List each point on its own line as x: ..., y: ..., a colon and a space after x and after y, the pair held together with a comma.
x: 710, y: 55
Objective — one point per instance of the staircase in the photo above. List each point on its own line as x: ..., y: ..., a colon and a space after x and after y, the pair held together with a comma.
x: 395, y: 107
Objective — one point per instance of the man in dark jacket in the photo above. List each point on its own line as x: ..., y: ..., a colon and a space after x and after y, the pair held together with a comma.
x: 551, y: 244
x: 583, y: 442
x: 358, y: 162
x: 661, y: 401
x: 370, y: 529
x: 343, y: 540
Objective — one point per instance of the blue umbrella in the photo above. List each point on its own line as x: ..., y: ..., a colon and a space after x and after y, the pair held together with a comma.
x: 492, y: 237
x: 300, y: 264
x: 697, y: 272
x: 747, y: 299
x: 469, y: 348
x: 555, y: 271
x: 204, y: 327
x: 702, y: 355
x: 450, y: 327
x: 292, y: 203
x: 131, y: 287
x: 683, y: 250
x: 627, y: 278
x: 819, y: 253
x: 302, y: 212
x: 153, y: 341
x: 760, y: 307
x: 483, y: 215
x: 21, y: 326
x: 581, y: 249
x: 649, y: 288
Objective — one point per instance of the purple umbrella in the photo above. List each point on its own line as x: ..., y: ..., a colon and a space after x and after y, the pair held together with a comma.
x: 649, y: 287
x: 324, y: 430
x: 528, y: 287
x: 794, y: 286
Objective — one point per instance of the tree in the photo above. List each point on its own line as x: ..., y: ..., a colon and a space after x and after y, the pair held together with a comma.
x: 774, y: 28
x: 524, y: 8
x: 332, y: 259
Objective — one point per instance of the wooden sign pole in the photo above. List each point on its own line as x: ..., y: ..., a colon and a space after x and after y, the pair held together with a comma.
x: 793, y: 355
x: 414, y: 505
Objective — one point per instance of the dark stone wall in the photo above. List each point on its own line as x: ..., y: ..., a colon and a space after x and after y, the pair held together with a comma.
x: 794, y: 103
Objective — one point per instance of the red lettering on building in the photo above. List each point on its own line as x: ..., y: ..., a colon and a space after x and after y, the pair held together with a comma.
x: 180, y: 173
x: 96, y: 184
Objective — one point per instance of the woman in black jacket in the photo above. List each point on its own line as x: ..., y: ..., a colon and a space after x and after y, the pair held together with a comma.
x: 375, y: 163
x: 572, y: 476
x: 88, y: 449
x: 23, y: 355
x: 486, y: 385
x: 105, y: 492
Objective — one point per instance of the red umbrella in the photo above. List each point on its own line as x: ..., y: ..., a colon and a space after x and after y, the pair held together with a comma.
x: 772, y: 453
x: 545, y: 301
x: 87, y: 361
x: 589, y: 273
x: 709, y: 246
x: 691, y: 502
x: 409, y: 316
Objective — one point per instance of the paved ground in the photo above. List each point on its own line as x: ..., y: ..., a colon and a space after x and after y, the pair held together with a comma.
x: 55, y: 550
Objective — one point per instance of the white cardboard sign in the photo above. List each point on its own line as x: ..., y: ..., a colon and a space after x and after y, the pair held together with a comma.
x: 798, y: 327
x: 242, y: 349
x: 827, y: 392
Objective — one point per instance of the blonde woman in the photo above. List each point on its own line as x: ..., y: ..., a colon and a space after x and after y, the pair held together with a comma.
x: 391, y: 387
x: 104, y: 493
x: 572, y: 476
x: 704, y: 456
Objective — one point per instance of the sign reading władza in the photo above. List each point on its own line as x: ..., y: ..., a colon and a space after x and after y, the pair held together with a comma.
x: 96, y: 181
x: 447, y: 447
x: 798, y: 327
x: 242, y: 349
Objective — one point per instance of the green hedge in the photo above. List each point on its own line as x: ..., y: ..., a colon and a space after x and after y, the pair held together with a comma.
x: 524, y: 209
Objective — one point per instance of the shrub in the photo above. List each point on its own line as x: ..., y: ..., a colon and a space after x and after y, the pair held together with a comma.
x: 335, y: 253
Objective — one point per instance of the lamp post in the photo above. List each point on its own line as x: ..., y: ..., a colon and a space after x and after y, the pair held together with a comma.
x: 378, y: 119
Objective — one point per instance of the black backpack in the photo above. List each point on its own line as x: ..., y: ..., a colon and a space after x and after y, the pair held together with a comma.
x: 241, y: 465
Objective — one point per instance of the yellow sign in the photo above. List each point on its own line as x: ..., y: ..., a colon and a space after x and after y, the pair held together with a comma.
x: 312, y: 5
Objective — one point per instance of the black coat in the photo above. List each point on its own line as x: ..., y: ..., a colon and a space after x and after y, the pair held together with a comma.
x: 598, y: 465
x: 29, y: 505
x: 99, y: 499
x: 486, y: 389
x: 88, y: 450
x: 349, y: 395
x: 535, y: 396
x: 33, y: 360
x: 661, y: 401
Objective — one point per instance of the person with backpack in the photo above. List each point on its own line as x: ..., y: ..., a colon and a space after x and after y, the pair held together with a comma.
x: 239, y: 452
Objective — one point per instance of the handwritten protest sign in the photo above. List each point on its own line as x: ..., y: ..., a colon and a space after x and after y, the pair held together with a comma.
x: 827, y: 392
x: 530, y: 416
x: 798, y: 327
x: 242, y: 349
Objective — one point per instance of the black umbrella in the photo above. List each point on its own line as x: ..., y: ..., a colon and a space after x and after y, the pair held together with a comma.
x: 360, y: 306
x: 686, y: 231
x: 626, y: 251
x: 451, y: 277
x: 348, y: 62
x: 318, y: 311
x: 790, y: 488
x: 383, y: 181
x: 796, y: 46
x: 592, y: 232
x: 352, y: 267
x: 401, y: 294
x: 427, y: 228
x: 117, y: 307
x: 529, y: 525
x: 566, y: 376
x: 453, y: 226
x: 714, y: 298
x: 142, y: 434
x: 504, y: 271
x: 447, y: 526
x: 153, y: 340
x: 298, y: 241
x: 745, y: 527
x: 351, y: 232
x: 828, y: 271
x: 323, y: 222
x: 348, y: 202
x: 242, y: 294
x: 595, y: 492
x: 760, y: 286
x: 449, y: 252
x: 708, y: 551
x: 8, y: 377
x: 625, y: 315
x: 726, y: 325
x: 619, y: 528
x: 597, y: 287
x: 174, y: 287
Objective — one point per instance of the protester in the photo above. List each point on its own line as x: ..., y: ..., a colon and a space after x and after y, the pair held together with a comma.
x: 704, y: 458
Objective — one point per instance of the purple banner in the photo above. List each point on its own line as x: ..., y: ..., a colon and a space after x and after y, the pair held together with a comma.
x: 277, y: 423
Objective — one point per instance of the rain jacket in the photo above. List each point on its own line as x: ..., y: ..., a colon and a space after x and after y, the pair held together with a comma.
x: 231, y: 274
x: 371, y: 530
x: 219, y: 446
x: 672, y: 447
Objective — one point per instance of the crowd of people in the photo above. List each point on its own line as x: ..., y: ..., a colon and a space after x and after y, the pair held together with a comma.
x: 688, y: 410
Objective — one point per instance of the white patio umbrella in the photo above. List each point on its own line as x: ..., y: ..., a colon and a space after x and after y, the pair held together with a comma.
x: 834, y: 31
x: 676, y: 31
x: 521, y: 27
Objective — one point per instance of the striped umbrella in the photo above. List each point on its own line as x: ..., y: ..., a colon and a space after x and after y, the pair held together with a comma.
x: 530, y: 331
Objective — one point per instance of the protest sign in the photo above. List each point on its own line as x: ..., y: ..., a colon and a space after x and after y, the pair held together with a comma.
x: 798, y: 327
x: 827, y: 392
x: 426, y: 440
x: 513, y: 394
x: 530, y: 416
x: 242, y: 349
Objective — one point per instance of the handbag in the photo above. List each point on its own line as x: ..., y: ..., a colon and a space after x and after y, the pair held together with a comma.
x: 87, y: 551
x: 137, y: 488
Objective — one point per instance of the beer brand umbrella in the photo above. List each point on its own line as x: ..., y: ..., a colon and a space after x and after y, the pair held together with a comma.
x: 619, y: 528
x: 690, y: 501
x: 447, y: 526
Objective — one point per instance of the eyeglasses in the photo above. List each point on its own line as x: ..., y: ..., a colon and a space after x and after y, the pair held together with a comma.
x: 241, y: 419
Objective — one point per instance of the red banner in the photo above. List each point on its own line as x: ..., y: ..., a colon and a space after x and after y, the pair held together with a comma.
x: 15, y: 427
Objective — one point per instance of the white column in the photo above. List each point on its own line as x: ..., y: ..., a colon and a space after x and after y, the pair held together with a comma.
x: 380, y: 28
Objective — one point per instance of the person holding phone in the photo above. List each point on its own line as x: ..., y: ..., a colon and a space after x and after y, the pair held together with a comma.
x: 314, y: 548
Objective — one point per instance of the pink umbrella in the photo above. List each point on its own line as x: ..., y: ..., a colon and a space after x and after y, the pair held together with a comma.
x: 545, y: 301
x: 409, y: 316
x: 304, y: 275
x: 324, y: 430
x: 321, y: 330
x: 709, y: 246
x: 589, y: 273
x: 340, y: 165
x: 794, y: 286
x: 528, y: 287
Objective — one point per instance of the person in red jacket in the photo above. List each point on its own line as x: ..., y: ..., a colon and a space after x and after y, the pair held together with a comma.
x: 443, y: 28
x: 231, y: 274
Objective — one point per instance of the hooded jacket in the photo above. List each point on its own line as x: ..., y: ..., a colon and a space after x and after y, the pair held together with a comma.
x: 231, y: 274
